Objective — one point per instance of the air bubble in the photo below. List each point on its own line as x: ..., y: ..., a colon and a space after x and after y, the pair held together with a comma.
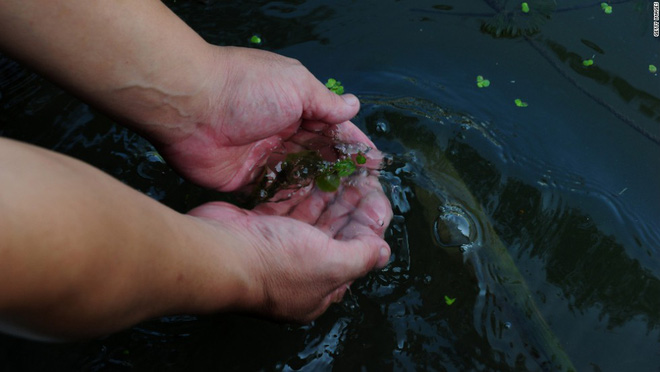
x: 454, y: 227
x: 382, y: 127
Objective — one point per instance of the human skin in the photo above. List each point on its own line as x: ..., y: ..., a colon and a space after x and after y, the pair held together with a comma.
x: 85, y: 255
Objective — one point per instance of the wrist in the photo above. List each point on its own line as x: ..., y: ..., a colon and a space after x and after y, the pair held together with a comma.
x: 172, y: 106
x: 211, y: 274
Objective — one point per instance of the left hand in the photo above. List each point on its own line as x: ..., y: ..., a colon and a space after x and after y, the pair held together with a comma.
x: 300, y: 255
x: 255, y: 102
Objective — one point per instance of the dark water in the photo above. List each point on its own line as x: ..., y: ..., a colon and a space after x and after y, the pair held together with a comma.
x: 556, y: 256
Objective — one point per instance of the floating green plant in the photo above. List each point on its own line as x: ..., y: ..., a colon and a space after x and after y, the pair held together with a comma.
x: 653, y: 69
x: 520, y: 103
x: 482, y: 83
x: 255, y: 39
x: 360, y: 158
x: 606, y: 8
x: 449, y: 301
x: 587, y: 62
x: 335, y: 86
x: 524, y: 7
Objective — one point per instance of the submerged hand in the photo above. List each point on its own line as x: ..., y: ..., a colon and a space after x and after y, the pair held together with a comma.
x: 256, y: 101
x: 302, y: 253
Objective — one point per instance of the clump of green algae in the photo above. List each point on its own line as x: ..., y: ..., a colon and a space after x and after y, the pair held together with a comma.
x: 299, y: 169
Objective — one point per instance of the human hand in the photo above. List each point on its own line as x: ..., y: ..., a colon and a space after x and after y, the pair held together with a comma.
x: 254, y: 102
x: 300, y: 251
x: 300, y: 254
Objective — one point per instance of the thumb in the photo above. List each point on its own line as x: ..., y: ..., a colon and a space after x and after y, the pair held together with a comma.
x: 321, y: 104
x: 356, y: 257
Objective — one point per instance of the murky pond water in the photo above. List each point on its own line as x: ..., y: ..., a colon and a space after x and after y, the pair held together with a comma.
x: 524, y: 238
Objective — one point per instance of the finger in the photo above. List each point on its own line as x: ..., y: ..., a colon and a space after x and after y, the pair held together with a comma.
x: 304, y: 204
x: 311, y: 208
x: 374, y: 209
x: 321, y: 104
x: 338, y: 212
x: 371, y: 218
x: 314, y: 140
x: 347, y: 132
x: 356, y: 257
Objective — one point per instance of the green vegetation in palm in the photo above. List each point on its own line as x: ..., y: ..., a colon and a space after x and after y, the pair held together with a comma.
x: 300, y: 169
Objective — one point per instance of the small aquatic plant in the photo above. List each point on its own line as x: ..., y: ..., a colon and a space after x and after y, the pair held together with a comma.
x: 330, y: 175
x: 299, y: 169
x: 335, y: 86
x: 653, y: 69
x: 482, y: 83
x: 587, y: 62
x: 607, y: 8
x: 520, y: 103
x: 255, y: 39
x: 524, y: 7
x: 448, y: 300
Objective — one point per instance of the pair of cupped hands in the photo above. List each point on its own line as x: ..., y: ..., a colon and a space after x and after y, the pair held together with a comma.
x: 304, y: 250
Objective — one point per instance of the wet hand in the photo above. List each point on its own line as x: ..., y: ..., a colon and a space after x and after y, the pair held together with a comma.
x: 253, y: 104
x: 293, y: 271
x: 301, y: 253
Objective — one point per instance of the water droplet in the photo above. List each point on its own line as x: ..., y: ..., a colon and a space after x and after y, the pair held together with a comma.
x: 507, y: 325
x: 382, y: 127
x: 380, y: 222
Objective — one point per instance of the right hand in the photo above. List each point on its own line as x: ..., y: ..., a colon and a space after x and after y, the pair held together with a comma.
x: 301, y: 254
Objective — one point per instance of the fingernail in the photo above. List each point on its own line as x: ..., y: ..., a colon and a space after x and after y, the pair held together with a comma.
x: 384, y: 256
x: 350, y: 99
